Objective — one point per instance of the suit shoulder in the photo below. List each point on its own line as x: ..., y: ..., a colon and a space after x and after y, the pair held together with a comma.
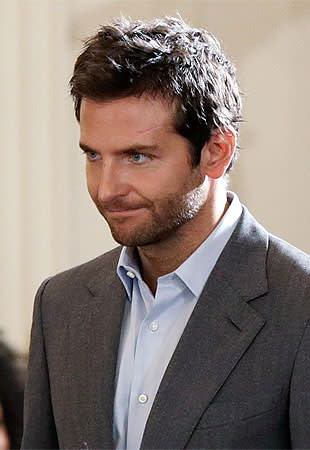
x: 288, y: 274
x: 288, y: 258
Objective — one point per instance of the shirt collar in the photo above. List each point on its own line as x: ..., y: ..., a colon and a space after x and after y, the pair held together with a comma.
x: 128, y: 268
x: 196, y: 269
x: 204, y: 257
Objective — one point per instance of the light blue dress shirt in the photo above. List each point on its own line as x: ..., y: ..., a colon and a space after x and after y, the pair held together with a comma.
x: 152, y: 327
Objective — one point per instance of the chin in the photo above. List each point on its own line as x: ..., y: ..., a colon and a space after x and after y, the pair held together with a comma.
x: 142, y: 238
x: 129, y: 241
x: 124, y: 237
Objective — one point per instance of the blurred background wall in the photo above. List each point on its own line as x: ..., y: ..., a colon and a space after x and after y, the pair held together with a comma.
x: 47, y: 221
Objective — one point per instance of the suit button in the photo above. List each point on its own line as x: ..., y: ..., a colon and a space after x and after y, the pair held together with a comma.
x: 143, y: 398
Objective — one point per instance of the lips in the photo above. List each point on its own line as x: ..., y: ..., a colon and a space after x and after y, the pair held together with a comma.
x: 121, y: 209
x: 123, y: 212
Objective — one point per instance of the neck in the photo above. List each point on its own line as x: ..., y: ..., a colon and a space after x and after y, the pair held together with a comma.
x: 164, y: 257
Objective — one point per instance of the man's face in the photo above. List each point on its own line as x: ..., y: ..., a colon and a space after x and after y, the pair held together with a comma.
x: 139, y: 170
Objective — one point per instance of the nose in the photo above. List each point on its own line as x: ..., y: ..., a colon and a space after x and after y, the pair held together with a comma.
x: 111, y: 184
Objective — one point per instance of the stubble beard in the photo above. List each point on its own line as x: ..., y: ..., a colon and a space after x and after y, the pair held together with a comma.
x: 163, y: 220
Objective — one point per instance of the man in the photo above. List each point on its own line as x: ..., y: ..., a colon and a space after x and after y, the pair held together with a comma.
x: 195, y: 333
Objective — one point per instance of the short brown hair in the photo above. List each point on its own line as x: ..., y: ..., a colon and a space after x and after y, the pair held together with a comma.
x: 162, y: 57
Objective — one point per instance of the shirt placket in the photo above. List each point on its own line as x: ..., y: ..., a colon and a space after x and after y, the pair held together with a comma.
x: 141, y: 395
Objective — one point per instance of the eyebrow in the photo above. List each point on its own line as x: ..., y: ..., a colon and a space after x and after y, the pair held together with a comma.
x: 131, y: 148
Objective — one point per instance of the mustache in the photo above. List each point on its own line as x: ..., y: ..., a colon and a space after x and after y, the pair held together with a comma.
x: 121, y: 205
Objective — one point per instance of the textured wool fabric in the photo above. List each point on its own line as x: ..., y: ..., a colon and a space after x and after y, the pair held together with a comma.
x: 239, y: 377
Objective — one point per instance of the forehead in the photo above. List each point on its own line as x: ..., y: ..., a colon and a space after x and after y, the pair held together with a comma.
x: 127, y: 118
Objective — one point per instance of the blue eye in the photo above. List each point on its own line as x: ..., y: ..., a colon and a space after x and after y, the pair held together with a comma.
x: 138, y: 158
x: 92, y: 156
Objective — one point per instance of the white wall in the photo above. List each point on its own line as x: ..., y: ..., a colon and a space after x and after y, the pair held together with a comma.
x: 48, y: 222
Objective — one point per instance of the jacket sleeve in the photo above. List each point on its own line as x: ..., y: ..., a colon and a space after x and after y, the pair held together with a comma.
x: 300, y: 395
x: 39, y: 425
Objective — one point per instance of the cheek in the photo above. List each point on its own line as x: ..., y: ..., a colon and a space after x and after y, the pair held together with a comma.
x: 174, y: 182
x: 92, y: 182
x: 151, y: 187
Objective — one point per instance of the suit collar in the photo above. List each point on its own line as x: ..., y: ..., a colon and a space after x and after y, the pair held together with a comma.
x: 105, y: 276
x: 94, y: 333
x: 242, y: 264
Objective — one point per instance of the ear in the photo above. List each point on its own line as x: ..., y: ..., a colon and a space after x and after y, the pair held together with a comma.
x: 218, y: 152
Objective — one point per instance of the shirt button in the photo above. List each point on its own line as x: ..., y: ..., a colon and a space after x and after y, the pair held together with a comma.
x: 130, y: 274
x: 143, y: 398
x: 153, y: 326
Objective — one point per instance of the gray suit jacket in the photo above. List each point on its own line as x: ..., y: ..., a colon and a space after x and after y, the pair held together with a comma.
x: 239, y: 377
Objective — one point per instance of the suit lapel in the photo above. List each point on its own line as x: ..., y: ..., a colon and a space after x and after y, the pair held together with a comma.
x: 220, y: 330
x: 94, y: 338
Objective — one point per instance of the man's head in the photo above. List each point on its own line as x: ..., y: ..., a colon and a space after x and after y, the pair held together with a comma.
x: 162, y: 58
x: 159, y: 107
